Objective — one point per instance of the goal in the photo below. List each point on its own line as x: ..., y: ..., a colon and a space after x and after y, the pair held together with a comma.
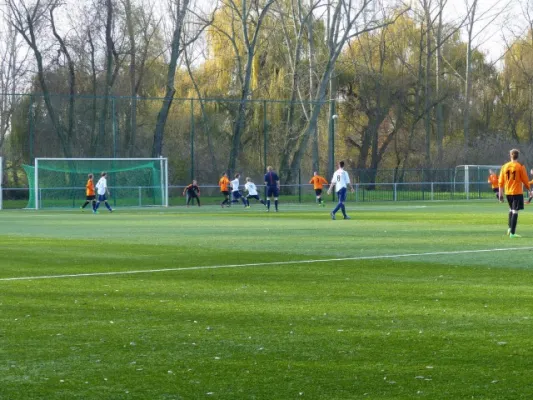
x: 472, y: 178
x: 133, y: 182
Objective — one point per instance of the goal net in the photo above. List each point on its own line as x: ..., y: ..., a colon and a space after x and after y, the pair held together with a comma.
x: 133, y: 182
x: 473, y: 178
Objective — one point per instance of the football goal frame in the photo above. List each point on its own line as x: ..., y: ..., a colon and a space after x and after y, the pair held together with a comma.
x: 163, y: 181
x: 467, y: 169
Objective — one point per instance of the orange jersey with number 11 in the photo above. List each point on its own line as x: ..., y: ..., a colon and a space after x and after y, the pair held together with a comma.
x: 512, y: 176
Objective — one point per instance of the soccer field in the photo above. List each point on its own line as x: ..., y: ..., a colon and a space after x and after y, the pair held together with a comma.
x: 406, y: 300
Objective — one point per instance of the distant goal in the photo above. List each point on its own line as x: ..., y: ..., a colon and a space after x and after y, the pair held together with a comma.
x: 133, y: 182
x: 471, y: 178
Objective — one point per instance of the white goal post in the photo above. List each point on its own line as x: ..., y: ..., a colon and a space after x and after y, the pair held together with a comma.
x: 81, y: 166
x: 467, y: 170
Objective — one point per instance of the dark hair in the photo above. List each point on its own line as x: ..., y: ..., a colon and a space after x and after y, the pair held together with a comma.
x: 90, y: 176
x: 514, y: 154
x: 341, y: 163
x: 104, y: 173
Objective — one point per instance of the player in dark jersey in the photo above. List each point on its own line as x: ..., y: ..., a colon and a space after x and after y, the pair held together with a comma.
x: 193, y: 192
x: 272, y: 187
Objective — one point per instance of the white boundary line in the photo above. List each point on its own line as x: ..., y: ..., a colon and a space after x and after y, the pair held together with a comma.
x: 265, y: 264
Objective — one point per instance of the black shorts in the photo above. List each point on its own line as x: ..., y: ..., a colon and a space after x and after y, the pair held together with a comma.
x: 192, y: 194
x: 515, y: 201
x: 495, y: 190
x: 225, y: 193
x: 88, y: 198
x: 272, y: 191
x: 318, y: 192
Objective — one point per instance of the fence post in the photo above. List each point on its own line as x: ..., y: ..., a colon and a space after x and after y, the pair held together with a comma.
x: 395, y: 192
x: 331, y: 138
x: 356, y: 192
x: 140, y: 197
x: 265, y: 138
x: 114, y: 125
x: 432, y: 191
x: 30, y: 127
x: 192, y: 139
x: 299, y: 185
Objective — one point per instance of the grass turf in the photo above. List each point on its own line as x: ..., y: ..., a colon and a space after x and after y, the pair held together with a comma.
x: 451, y: 325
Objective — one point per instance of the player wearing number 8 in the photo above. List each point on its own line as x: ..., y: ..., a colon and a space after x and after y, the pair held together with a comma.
x: 341, y: 181
x: 512, y: 176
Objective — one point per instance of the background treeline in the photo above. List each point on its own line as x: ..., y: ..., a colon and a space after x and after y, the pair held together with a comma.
x: 408, y: 86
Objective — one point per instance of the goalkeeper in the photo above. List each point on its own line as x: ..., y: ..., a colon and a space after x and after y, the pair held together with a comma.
x: 193, y: 192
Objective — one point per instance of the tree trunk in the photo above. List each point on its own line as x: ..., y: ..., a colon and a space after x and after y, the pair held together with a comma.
x: 438, y: 79
x: 131, y: 121
x: 468, y: 81
x: 157, y: 148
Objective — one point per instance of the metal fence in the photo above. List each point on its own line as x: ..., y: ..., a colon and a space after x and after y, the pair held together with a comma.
x: 197, y: 135
x: 17, y: 198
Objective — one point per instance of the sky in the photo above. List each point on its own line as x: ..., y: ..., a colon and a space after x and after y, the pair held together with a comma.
x: 499, y: 19
x: 499, y: 22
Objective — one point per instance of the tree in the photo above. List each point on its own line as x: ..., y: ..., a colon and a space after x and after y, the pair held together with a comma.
x: 347, y: 22
x: 29, y: 20
x: 180, y: 39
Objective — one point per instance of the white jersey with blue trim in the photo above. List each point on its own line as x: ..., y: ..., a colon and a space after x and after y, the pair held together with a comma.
x: 235, y: 185
x: 341, y: 179
x: 251, y: 188
x: 101, y: 186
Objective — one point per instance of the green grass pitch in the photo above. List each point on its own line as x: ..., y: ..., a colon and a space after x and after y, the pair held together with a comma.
x: 412, y: 300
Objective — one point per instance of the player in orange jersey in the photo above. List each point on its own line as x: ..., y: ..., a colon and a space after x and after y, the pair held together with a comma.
x: 493, y: 180
x: 318, y: 182
x: 512, y: 176
x: 224, y: 189
x: 89, y: 193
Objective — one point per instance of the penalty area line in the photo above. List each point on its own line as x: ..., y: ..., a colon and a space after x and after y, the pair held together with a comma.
x: 264, y: 264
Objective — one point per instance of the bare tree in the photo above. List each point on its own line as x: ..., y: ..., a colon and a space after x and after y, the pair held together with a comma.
x: 475, y: 17
x: 12, y: 70
x: 71, y: 73
x: 179, y: 10
x: 142, y: 26
x: 348, y: 20
x: 112, y: 68
x: 247, y: 17
x: 295, y: 18
x: 29, y: 18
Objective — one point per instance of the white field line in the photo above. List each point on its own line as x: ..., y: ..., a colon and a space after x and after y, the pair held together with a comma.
x: 265, y: 264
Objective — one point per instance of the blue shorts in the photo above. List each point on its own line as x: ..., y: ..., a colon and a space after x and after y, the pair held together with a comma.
x: 341, y: 195
x: 236, y: 195
x: 101, y: 197
x: 272, y: 191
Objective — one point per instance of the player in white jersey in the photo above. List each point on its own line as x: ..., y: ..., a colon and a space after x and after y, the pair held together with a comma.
x: 252, y: 192
x: 236, y: 194
x: 102, y: 190
x: 341, y: 181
